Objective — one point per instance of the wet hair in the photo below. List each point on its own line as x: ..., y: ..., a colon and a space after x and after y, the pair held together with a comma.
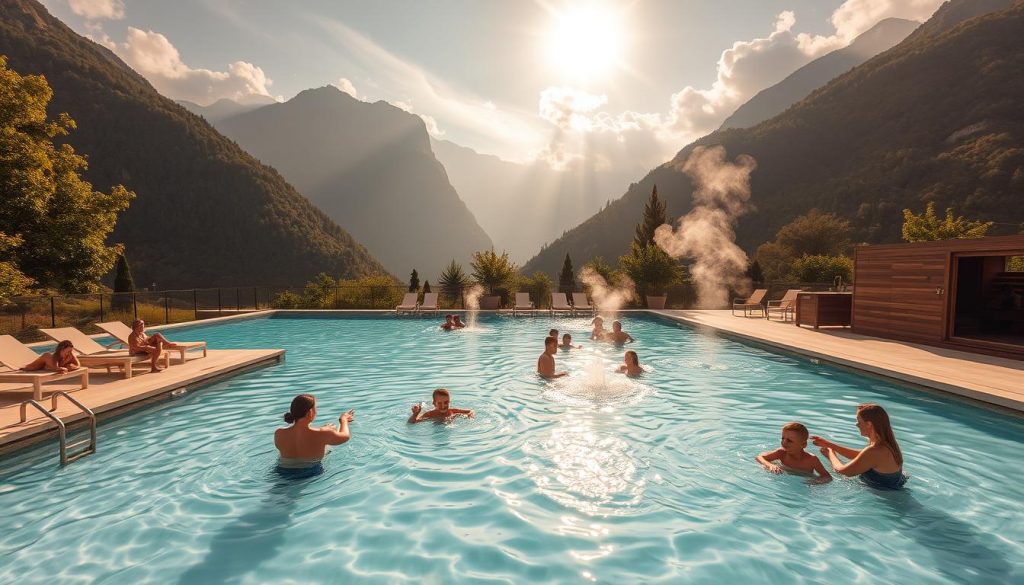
x: 440, y: 392
x: 636, y: 358
x: 879, y: 419
x: 448, y: 317
x: 616, y: 324
x: 797, y: 428
x: 553, y: 333
x: 597, y: 320
x: 566, y: 336
x: 301, y: 405
x: 136, y: 323
x: 61, y: 347
x: 550, y: 340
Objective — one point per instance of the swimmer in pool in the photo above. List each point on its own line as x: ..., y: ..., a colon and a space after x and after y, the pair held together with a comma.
x: 442, y: 409
x: 632, y: 365
x: 618, y: 336
x: 553, y: 333
x: 546, y: 361
x: 60, y: 360
x: 567, y: 343
x: 302, y: 446
x: 880, y: 464
x: 791, y: 455
x: 458, y: 322
x: 598, y: 333
x: 449, y: 322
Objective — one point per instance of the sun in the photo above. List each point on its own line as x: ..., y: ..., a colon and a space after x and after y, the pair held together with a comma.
x: 585, y: 42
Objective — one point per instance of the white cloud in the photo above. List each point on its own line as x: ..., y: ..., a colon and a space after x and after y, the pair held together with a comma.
x: 96, y: 9
x: 155, y: 58
x: 856, y: 16
x: 346, y: 86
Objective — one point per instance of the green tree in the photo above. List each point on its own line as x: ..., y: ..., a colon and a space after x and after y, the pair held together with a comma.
x: 414, y: 281
x: 811, y: 234
x: 124, y: 285
x: 318, y: 293
x: 12, y: 282
x: 492, y: 270
x: 654, y: 216
x: 566, y: 278
x: 426, y: 287
x: 819, y: 268
x: 651, y: 269
x: 453, y: 280
x: 929, y: 227
x: 539, y: 286
x: 605, y: 270
x: 62, y: 223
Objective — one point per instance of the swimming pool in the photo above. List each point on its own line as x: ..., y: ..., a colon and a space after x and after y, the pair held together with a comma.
x: 598, y: 478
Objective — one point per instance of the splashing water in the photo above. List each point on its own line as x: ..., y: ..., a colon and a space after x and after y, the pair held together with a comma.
x: 473, y: 306
x: 706, y: 234
x: 608, y: 297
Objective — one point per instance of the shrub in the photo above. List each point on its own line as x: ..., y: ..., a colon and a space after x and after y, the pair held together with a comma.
x: 821, y: 268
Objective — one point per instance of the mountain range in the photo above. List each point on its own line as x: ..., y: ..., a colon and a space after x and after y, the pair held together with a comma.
x: 226, y: 107
x: 935, y: 118
x: 206, y: 212
x: 370, y: 167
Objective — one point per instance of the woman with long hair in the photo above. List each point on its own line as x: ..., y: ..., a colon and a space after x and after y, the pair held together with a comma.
x: 60, y: 360
x: 301, y: 446
x: 880, y: 464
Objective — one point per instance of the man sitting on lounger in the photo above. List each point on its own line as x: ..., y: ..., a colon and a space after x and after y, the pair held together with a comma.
x: 152, y: 345
x: 618, y: 336
x: 546, y: 361
x: 61, y: 360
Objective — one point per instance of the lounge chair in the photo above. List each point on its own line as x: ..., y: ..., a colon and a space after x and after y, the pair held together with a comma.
x: 430, y: 303
x: 15, y: 355
x: 523, y: 304
x: 120, y: 332
x: 754, y: 301
x: 410, y: 303
x: 92, y: 355
x: 581, y: 303
x: 560, y: 304
x: 786, y: 306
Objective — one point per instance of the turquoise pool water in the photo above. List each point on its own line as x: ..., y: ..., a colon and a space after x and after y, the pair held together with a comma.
x: 598, y: 478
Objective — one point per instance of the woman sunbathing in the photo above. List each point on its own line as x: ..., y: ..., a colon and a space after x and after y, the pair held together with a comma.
x: 60, y: 360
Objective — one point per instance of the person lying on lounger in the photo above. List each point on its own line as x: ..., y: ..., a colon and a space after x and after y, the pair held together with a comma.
x: 618, y: 336
x: 442, y: 409
x: 151, y: 345
x: 60, y: 360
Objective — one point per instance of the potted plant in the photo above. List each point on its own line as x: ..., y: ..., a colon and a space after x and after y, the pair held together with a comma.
x: 653, y: 271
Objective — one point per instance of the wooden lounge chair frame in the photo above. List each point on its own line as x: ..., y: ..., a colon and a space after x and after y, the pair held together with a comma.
x: 431, y: 303
x: 786, y: 306
x: 93, y: 355
x: 406, y: 307
x: 754, y: 301
x: 580, y: 303
x: 120, y: 332
x: 560, y: 304
x: 14, y: 354
x: 523, y: 307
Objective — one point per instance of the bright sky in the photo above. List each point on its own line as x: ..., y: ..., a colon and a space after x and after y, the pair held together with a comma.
x: 559, y: 80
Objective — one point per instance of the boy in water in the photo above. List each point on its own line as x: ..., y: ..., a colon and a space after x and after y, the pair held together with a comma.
x: 567, y: 343
x: 458, y: 322
x: 553, y: 333
x: 791, y: 456
x: 448, y: 322
x: 598, y: 333
x: 618, y: 336
x: 546, y: 361
x: 442, y: 410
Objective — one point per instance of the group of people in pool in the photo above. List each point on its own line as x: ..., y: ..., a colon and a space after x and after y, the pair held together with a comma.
x: 63, y: 359
x: 879, y: 464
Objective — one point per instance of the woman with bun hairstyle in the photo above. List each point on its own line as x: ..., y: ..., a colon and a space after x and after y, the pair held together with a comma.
x: 302, y: 447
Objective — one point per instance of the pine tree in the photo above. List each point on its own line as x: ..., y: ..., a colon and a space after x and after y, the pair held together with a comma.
x: 124, y: 285
x: 414, y: 281
x: 654, y: 216
x: 566, y: 278
x: 426, y: 287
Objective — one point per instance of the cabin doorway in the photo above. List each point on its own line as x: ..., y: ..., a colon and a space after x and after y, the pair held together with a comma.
x: 988, y: 301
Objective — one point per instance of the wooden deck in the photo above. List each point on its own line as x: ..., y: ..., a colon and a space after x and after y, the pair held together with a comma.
x: 111, y: 392
x: 990, y: 379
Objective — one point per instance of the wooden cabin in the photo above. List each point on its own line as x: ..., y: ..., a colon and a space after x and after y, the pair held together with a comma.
x: 961, y: 294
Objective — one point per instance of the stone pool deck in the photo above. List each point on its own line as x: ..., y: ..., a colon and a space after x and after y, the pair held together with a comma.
x: 989, y: 379
x: 108, y: 393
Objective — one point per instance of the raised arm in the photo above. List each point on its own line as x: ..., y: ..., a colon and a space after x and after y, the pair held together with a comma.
x: 417, y: 410
x: 341, y: 435
x: 844, y: 451
x: 466, y: 411
x: 766, y: 458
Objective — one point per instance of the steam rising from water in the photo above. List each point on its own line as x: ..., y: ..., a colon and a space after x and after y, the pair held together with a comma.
x: 473, y: 304
x: 608, y: 298
x: 706, y: 234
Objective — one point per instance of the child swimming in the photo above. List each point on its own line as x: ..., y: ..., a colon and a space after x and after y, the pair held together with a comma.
x: 791, y: 456
x: 567, y: 343
x: 598, y: 332
x: 632, y: 365
x: 442, y: 410
x: 449, y: 323
x: 458, y: 322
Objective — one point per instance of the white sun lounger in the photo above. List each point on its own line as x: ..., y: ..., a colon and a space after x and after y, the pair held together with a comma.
x: 15, y: 355
x: 91, y: 354
x: 120, y: 332
x: 560, y: 304
x: 580, y: 303
x: 523, y: 304
x: 430, y: 303
x: 410, y: 303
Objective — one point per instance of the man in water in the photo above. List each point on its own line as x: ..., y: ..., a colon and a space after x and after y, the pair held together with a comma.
x: 546, y: 361
x: 442, y: 409
x: 458, y: 322
x: 618, y: 336
x: 449, y: 323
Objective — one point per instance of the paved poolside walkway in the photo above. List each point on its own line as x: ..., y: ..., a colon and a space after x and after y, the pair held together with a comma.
x: 986, y: 378
x: 108, y: 392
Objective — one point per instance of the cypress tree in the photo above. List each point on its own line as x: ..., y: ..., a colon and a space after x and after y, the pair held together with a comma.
x: 414, y: 281
x: 654, y: 216
x: 566, y: 278
x: 426, y: 287
x: 124, y: 285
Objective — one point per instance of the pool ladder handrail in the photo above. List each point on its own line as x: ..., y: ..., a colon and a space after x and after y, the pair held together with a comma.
x: 62, y: 429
